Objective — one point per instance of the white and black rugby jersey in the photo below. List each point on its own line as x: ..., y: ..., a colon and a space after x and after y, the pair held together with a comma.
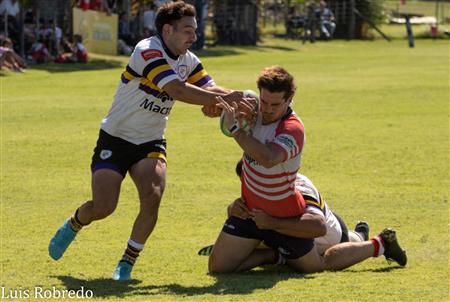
x: 140, y: 109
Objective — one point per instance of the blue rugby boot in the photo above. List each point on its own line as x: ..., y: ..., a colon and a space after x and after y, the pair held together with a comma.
x: 122, y: 271
x: 59, y: 243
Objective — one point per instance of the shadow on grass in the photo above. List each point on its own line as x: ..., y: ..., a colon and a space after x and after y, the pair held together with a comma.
x: 94, y: 64
x: 377, y: 270
x: 101, y: 287
x: 214, y: 51
x: 230, y: 284
x: 218, y: 51
x: 283, y: 48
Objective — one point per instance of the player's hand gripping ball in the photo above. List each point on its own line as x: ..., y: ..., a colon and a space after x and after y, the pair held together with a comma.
x: 250, y: 117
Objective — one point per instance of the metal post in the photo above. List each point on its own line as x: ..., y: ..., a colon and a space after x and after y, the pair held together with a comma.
x: 22, y: 34
x: 6, y: 22
x: 351, y: 23
x: 409, y: 31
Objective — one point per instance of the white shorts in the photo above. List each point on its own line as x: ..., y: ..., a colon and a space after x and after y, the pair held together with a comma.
x: 333, y: 236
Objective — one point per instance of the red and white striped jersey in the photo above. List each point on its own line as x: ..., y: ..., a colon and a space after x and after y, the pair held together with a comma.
x: 273, y: 189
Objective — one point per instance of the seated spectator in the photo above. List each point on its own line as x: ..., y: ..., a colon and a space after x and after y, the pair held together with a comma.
x: 39, y: 52
x: 79, y: 49
x: 9, y: 59
x: 78, y: 53
x: 327, y: 25
x: 7, y: 43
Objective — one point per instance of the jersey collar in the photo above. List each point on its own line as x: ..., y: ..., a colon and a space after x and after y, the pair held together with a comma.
x: 166, y: 49
x: 287, y: 114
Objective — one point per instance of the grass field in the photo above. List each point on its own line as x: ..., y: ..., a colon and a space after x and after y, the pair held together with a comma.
x: 377, y: 125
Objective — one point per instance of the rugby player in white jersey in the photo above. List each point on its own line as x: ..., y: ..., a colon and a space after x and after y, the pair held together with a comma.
x: 272, y: 151
x: 160, y: 70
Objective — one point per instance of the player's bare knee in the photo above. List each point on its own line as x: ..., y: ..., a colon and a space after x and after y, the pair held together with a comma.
x: 330, y: 257
x: 215, y: 266
x: 151, y: 202
x: 103, y: 209
x: 152, y: 198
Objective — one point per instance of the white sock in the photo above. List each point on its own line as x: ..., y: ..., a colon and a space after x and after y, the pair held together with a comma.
x: 134, y: 244
x: 379, y: 244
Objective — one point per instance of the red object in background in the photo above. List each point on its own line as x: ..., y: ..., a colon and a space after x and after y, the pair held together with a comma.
x: 434, y: 30
x: 83, y: 4
x: 403, y: 2
x: 96, y: 5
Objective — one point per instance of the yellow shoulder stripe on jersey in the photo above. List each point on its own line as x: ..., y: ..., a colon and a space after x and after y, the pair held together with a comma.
x: 157, y: 70
x: 313, y: 202
x: 149, y: 83
x: 128, y: 75
x: 195, y: 77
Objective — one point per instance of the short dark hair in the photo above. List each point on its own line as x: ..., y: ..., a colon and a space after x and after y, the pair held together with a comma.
x: 171, y: 12
x: 277, y: 79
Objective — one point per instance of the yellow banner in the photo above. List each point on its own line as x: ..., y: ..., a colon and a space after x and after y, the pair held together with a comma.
x: 99, y: 31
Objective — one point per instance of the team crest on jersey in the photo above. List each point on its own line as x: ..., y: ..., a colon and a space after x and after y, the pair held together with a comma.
x: 285, y: 141
x: 182, y: 71
x: 104, y: 154
x: 151, y: 54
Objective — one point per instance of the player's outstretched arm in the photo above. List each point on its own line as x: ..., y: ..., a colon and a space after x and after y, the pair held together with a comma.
x: 191, y: 94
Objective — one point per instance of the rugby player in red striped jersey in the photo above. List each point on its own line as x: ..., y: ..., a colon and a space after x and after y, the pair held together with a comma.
x: 272, y: 157
x: 274, y: 206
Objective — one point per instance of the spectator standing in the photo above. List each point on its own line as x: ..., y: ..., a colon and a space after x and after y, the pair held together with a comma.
x: 311, y: 14
x: 148, y: 20
x: 110, y: 6
x: 10, y: 10
x: 10, y: 7
x: 327, y: 25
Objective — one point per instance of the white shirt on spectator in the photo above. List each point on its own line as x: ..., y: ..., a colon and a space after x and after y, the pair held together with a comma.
x: 9, y: 7
x: 149, y: 19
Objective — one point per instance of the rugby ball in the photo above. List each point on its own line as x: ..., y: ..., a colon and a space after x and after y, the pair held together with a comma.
x: 247, y: 94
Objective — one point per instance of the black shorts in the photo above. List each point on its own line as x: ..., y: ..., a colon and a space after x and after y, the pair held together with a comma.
x: 344, y: 236
x: 288, y: 246
x: 119, y: 155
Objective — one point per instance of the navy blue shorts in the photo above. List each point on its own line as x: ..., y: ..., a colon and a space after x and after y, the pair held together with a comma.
x: 119, y: 155
x: 288, y: 246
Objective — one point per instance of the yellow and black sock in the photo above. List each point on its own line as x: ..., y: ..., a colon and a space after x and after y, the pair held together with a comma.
x: 130, y: 254
x: 75, y: 223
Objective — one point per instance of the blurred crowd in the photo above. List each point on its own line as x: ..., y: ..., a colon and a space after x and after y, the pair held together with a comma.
x: 45, y: 40
x: 316, y: 19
